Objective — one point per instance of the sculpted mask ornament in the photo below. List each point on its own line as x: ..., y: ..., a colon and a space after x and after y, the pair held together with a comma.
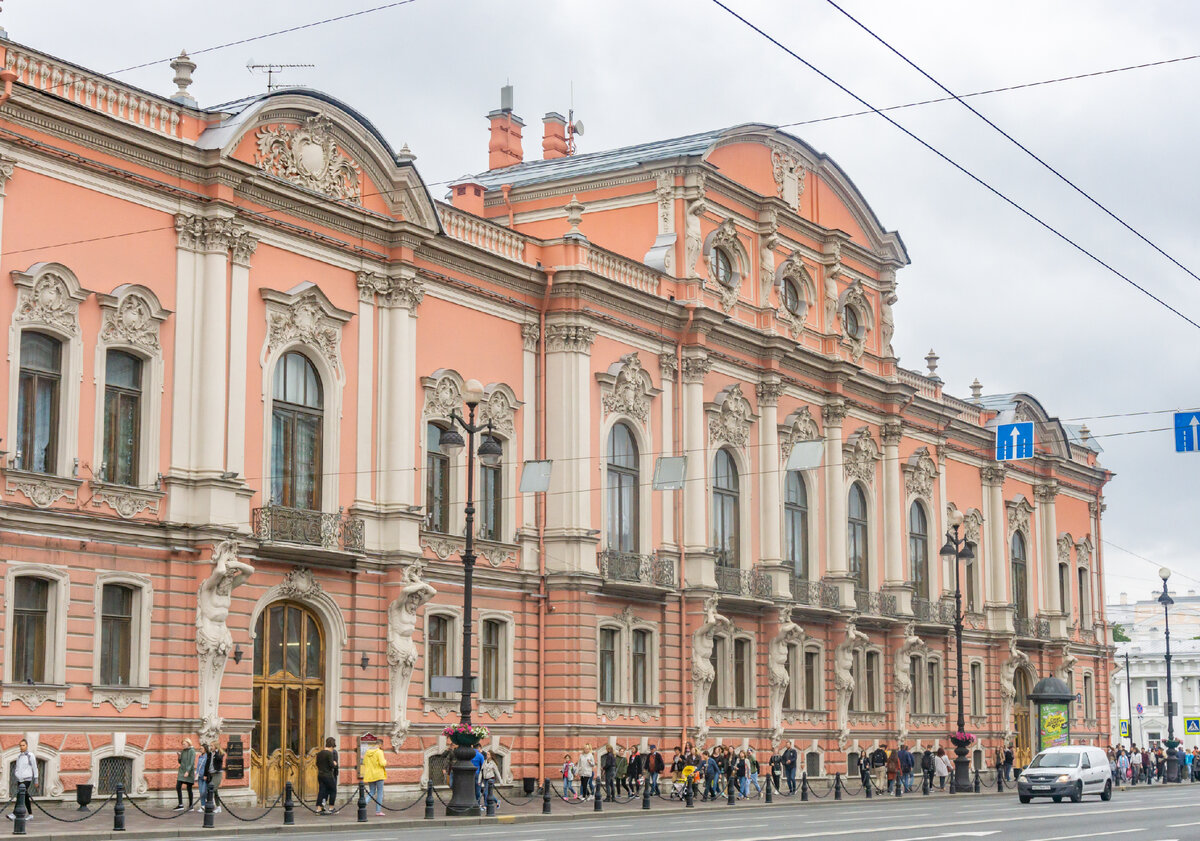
x: 703, y: 640
x: 498, y: 410
x: 803, y: 427
x: 305, y: 322
x: 629, y: 394
x: 1018, y: 516
x: 132, y: 323
x: 859, y: 455
x: 213, y: 640
x: 308, y: 156
x: 49, y: 301
x: 731, y: 422
x: 401, y: 651
x: 919, y: 474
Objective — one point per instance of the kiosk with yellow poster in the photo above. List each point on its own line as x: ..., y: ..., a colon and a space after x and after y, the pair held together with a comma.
x: 1053, y: 698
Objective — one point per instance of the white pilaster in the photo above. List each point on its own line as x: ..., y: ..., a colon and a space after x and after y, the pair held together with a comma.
x: 366, y: 387
x: 668, y: 367
x: 771, y: 509
x: 695, y: 520
x: 568, y: 445
x: 893, y: 505
x: 836, y: 562
x: 209, y: 398
x: 239, y: 309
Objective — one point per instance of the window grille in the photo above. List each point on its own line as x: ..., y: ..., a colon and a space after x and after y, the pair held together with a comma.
x: 113, y: 770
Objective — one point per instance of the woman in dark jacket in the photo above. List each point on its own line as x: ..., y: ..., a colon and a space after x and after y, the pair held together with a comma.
x: 327, y: 776
x: 776, y: 763
x: 214, y: 773
x: 608, y: 764
x: 633, y: 774
x: 741, y: 775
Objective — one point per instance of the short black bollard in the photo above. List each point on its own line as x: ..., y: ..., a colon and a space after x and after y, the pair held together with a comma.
x: 21, y: 812
x: 490, y: 797
x: 804, y: 787
x: 289, y: 808
x: 429, y: 801
x: 925, y: 784
x: 209, y: 805
x: 362, y: 802
x: 977, y: 786
x: 119, y: 809
x: 1000, y: 781
x: 646, y: 795
x: 768, y: 798
x: 546, y: 797
x: 689, y: 798
x: 597, y: 807
x: 731, y: 790
x: 899, y: 786
x: 868, y: 784
x: 837, y: 786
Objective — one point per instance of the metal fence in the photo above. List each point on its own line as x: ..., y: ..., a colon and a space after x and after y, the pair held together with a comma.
x: 277, y: 524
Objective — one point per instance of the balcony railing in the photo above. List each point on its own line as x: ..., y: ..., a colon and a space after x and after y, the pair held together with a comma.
x: 924, y: 610
x: 335, y: 532
x: 751, y: 583
x: 1038, y: 628
x: 815, y: 593
x: 876, y: 604
x: 636, y: 569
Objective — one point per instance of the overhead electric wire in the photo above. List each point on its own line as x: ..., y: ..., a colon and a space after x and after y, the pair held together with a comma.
x: 240, y: 41
x: 987, y: 186
x: 1017, y: 143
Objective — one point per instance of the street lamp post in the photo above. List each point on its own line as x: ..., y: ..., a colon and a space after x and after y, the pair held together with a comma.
x: 1166, y: 601
x: 462, y: 800
x: 959, y: 551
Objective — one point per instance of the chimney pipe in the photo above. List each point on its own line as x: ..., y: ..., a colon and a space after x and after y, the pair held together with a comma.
x: 504, y: 145
x: 554, y: 137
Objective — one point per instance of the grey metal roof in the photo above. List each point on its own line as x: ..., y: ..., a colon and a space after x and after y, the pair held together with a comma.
x: 1008, y: 402
x: 1073, y: 433
x: 591, y: 163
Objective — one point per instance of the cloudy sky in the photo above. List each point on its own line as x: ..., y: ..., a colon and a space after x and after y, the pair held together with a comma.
x: 998, y: 297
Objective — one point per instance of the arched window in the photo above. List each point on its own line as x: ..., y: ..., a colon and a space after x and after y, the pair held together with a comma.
x: 297, y: 417
x: 723, y: 266
x: 792, y: 299
x: 1085, y: 600
x: 608, y: 665
x: 122, y: 417
x: 851, y: 322
x: 795, y: 524
x: 969, y: 571
x: 1020, y: 577
x: 856, y: 536
x: 437, y: 480
x: 918, y: 549
x: 1064, y: 589
x: 622, y: 479
x: 37, y: 402
x: 725, y: 509
x: 491, y: 639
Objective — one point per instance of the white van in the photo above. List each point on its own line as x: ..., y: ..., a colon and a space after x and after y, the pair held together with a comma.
x: 1067, y: 771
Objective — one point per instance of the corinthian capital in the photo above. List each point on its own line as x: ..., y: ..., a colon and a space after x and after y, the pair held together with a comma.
x: 834, y: 412
x: 696, y: 368
x: 243, y: 246
x: 668, y: 365
x: 891, y: 432
x: 768, y: 393
x: 530, y: 333
x: 1046, y: 492
x: 992, y: 475
x: 405, y: 292
x: 569, y: 338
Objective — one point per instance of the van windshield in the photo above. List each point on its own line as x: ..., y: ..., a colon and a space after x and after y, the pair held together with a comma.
x: 1064, y: 759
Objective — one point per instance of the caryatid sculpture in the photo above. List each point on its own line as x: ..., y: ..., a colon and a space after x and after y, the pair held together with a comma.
x: 902, y: 683
x: 778, y: 652
x: 213, y: 640
x: 843, y: 677
x: 703, y: 673
x: 401, y: 651
x: 1008, y: 688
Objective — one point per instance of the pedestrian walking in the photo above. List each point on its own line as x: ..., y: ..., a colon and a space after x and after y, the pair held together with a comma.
x: 24, y: 770
x: 327, y: 777
x: 373, y: 772
x: 789, y: 758
x: 490, y: 775
x: 608, y: 766
x: 942, y: 767
x: 927, y: 768
x: 654, y: 766
x: 879, y: 759
x: 776, y: 765
x: 753, y: 761
x: 634, y: 771
x: 568, y: 778
x: 906, y: 768
x: 1008, y: 763
x: 587, y: 769
x: 202, y: 776
x: 741, y: 775
x: 214, y: 773
x: 185, y: 775
x: 711, y: 769
x: 622, y: 772
x: 893, y: 770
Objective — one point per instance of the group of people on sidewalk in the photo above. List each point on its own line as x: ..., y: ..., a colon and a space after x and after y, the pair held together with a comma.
x: 885, y: 770
x: 624, y: 771
x: 1142, y: 765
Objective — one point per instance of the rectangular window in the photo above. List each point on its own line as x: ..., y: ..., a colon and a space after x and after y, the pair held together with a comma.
x: 872, y: 682
x: 113, y: 770
x: 31, y: 609
x: 812, y: 679
x: 1085, y: 600
x: 1152, y: 693
x: 489, y: 659
x: 641, y: 644
x: 37, y: 402
x: 741, y: 673
x: 491, y: 496
x: 791, y: 693
x: 437, y: 481
x: 1089, y: 700
x: 116, y: 628
x: 934, y: 701
x: 970, y: 579
x: 914, y: 678
x: 717, y: 661
x: 437, y: 651
x: 1064, y: 589
x: 608, y: 665
x: 122, y: 417
x: 976, y: 689
x: 855, y: 676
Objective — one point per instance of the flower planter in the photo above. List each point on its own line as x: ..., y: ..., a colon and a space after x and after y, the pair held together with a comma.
x: 466, y: 740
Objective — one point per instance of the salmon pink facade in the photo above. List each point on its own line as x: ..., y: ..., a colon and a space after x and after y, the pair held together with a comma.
x: 237, y: 334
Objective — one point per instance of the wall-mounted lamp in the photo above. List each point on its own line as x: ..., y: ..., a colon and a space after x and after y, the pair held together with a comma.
x: 364, y: 662
x: 238, y: 654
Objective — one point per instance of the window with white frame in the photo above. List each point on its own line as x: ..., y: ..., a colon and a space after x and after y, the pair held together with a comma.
x: 35, y: 610
x: 1085, y: 599
x: 933, y: 682
x: 494, y: 646
x: 971, y: 570
x: 795, y: 669
x: 857, y: 548
x: 116, y: 634
x: 121, y: 651
x: 918, y: 549
x: 122, y: 417
x: 871, y: 682
x: 813, y: 683
x: 626, y: 666
x: 1151, y: 693
x: 743, y: 680
x: 437, y: 481
x: 609, y: 644
x: 914, y: 679
x: 1089, y: 698
x: 441, y: 637
x: 621, y: 478
x: 725, y: 509
x: 297, y: 421
x: 977, y: 689
x: 795, y: 524
x: 640, y: 667
x: 491, y: 499
x: 38, y: 400
x: 1020, y: 576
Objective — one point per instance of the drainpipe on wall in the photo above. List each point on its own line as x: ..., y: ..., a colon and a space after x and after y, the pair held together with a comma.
x: 684, y: 654
x: 541, y: 518
x: 8, y: 76
x: 505, y: 189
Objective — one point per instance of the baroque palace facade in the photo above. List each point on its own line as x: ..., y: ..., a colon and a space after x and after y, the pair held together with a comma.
x: 236, y: 333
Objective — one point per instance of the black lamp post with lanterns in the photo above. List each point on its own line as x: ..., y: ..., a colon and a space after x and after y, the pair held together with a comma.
x: 462, y: 800
x: 957, y: 550
x: 1172, y: 758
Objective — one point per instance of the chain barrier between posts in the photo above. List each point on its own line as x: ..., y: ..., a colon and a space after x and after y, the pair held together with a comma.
x: 529, y: 798
x: 420, y: 799
x: 95, y: 811
x: 135, y: 805
x: 238, y: 817
x: 329, y: 811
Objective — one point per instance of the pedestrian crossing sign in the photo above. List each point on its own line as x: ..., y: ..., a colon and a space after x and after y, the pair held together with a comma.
x: 1125, y: 728
x: 1191, y: 725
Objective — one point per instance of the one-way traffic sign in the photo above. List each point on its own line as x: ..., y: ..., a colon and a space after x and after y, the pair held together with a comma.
x: 1187, y: 432
x: 1014, y: 441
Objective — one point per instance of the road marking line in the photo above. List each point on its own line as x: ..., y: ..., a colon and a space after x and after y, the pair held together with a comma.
x: 1174, y: 825
x: 1092, y: 834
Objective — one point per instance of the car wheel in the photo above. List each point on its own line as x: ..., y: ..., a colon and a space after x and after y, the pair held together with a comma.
x: 1024, y: 798
x: 1057, y: 798
x: 1077, y: 794
x: 1107, y: 793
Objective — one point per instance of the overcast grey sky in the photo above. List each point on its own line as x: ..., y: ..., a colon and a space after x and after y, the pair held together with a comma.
x: 999, y: 298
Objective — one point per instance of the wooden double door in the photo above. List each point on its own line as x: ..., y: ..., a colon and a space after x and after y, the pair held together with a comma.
x: 289, y: 701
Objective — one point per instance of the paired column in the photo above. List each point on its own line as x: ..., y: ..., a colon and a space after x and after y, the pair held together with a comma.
x: 1051, y: 587
x: 996, y: 529
x: 893, y: 504
x: 530, y: 335
x: 833, y: 414
x: 242, y: 248
x: 568, y: 445
x: 668, y: 368
x: 696, y: 366
x: 771, y: 509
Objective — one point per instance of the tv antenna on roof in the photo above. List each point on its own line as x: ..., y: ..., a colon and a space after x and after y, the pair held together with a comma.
x: 272, y: 70
x: 574, y: 126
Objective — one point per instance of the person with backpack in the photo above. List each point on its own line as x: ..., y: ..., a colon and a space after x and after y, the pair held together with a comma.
x: 753, y: 761
x: 327, y: 777
x: 622, y: 769
x: 906, y: 769
x: 568, y: 778
x: 927, y: 769
x: 711, y: 770
x: 789, y: 758
x: 879, y: 761
x: 1008, y: 763
x: 893, y: 770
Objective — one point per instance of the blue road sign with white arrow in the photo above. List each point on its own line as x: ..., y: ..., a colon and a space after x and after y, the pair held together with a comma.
x: 1187, y: 432
x: 1014, y: 441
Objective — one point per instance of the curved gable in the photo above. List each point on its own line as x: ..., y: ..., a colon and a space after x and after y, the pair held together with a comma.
x: 314, y: 142
x: 774, y: 163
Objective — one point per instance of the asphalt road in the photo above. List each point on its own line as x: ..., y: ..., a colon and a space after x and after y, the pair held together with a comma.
x: 1167, y: 813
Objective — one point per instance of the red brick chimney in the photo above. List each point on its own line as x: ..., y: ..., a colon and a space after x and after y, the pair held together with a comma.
x: 554, y: 139
x: 504, y: 147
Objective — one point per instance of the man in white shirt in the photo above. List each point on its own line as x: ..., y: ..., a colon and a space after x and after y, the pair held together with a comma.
x: 24, y: 771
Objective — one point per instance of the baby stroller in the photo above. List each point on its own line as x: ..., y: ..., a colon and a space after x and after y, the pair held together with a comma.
x: 680, y: 783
